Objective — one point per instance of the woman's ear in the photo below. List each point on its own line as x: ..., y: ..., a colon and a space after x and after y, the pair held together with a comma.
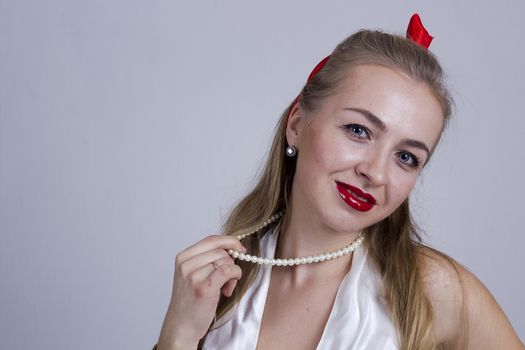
x: 295, y: 125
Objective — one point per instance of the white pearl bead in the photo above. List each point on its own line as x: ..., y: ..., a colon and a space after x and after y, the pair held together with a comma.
x: 316, y: 259
x: 297, y: 261
x: 260, y: 260
x: 322, y: 257
x: 307, y: 260
x: 266, y: 261
x: 235, y: 254
x: 241, y: 256
x: 278, y: 262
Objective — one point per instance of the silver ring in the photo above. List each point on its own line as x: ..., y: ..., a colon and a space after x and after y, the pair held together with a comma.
x: 215, y: 266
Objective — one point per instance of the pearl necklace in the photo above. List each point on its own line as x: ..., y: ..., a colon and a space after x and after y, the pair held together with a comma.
x: 292, y: 261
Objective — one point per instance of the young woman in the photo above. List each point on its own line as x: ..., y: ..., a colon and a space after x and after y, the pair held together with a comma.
x: 323, y: 253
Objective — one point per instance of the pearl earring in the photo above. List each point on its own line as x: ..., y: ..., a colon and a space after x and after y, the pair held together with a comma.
x: 291, y: 151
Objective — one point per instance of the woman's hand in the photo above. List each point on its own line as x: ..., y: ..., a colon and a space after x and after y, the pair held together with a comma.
x: 202, y: 272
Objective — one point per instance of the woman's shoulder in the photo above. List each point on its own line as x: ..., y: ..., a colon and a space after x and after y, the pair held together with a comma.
x: 463, y: 307
x: 443, y: 282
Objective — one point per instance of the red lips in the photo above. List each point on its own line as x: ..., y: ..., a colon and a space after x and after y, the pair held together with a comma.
x: 347, y: 192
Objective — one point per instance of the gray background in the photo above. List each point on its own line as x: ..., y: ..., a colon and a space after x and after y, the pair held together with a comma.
x: 129, y: 128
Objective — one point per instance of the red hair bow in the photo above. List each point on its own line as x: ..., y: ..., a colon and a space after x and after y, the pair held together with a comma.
x: 317, y: 68
x: 417, y: 33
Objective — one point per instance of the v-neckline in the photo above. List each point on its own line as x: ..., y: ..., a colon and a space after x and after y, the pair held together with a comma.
x: 270, y: 253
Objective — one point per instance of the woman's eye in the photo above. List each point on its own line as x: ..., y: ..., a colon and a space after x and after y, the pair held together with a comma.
x: 358, y: 130
x: 409, y: 159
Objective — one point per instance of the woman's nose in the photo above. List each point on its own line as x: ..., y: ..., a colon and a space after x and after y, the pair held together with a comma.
x: 373, y: 167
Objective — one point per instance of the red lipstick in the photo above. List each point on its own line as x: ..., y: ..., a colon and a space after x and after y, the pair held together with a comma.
x: 354, y: 197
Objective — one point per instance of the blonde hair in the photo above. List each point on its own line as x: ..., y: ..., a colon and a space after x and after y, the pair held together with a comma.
x: 394, y: 243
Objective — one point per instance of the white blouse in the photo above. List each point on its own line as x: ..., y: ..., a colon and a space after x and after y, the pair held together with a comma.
x: 358, y: 320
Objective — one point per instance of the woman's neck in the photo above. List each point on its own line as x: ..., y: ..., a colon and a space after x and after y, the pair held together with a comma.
x: 304, y: 235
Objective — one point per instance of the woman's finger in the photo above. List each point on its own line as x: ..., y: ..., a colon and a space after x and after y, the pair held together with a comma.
x: 210, y: 243
x: 201, y: 274
x: 225, y: 273
x: 227, y: 289
x: 194, y: 263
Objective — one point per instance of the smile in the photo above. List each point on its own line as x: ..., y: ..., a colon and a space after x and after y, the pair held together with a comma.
x: 354, y: 197
x: 358, y: 197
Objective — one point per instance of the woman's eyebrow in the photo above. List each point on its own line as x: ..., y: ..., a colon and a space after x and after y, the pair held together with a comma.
x: 370, y: 116
x: 417, y: 144
x: 381, y: 126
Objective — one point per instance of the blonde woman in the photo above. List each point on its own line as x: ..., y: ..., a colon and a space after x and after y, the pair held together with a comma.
x: 323, y: 252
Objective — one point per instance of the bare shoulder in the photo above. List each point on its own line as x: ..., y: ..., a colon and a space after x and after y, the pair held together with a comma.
x: 464, y: 309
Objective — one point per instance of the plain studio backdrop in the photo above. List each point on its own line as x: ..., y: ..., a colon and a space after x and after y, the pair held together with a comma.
x: 128, y: 129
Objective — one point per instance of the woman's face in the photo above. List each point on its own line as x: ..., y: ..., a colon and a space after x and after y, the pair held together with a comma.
x: 374, y: 134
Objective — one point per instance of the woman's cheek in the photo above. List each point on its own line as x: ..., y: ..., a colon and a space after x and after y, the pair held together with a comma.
x: 402, y: 191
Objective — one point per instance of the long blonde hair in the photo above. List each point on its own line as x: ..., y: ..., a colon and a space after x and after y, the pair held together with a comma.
x: 394, y: 243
